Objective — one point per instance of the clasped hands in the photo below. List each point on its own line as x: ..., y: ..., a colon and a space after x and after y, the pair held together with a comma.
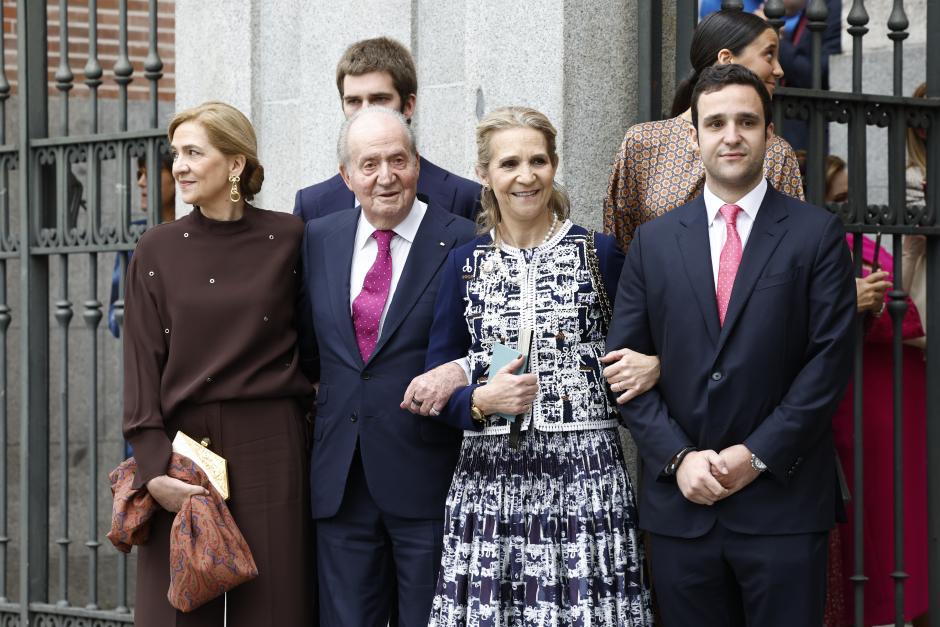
x: 706, y: 477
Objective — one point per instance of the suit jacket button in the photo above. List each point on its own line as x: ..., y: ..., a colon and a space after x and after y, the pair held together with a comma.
x: 716, y: 376
x: 353, y: 418
x: 365, y: 376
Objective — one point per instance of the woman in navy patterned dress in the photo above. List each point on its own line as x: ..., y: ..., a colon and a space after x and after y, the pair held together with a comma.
x: 543, y: 532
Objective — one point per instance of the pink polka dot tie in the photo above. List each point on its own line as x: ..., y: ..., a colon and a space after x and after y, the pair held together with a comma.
x: 368, y: 307
x: 729, y: 261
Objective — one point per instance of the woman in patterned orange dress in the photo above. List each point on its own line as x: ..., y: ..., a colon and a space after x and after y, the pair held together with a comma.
x: 658, y: 168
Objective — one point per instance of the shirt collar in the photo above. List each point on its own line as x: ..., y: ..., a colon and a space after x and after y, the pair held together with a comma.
x: 750, y: 203
x: 407, y: 229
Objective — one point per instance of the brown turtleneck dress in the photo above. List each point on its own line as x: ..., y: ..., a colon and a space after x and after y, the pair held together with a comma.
x: 210, y: 349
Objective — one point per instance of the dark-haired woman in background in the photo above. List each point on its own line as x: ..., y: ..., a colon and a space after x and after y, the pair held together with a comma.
x: 210, y: 349
x: 658, y: 167
x: 167, y: 214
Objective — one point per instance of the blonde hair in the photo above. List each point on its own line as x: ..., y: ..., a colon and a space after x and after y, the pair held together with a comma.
x: 230, y: 133
x: 502, y: 119
x: 917, y: 147
x: 834, y: 165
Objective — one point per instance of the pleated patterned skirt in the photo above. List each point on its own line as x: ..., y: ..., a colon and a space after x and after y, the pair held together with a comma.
x: 542, y: 536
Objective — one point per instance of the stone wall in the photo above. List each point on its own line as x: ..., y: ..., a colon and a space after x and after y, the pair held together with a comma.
x: 575, y: 61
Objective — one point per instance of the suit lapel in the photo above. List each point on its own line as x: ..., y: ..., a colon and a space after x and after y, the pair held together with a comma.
x: 337, y: 257
x: 766, y: 234
x: 434, y: 186
x: 340, y: 197
x: 425, y: 257
x: 697, y: 261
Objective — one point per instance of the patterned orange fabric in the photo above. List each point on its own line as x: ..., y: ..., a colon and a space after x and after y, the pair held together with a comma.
x: 208, y: 554
x: 658, y: 169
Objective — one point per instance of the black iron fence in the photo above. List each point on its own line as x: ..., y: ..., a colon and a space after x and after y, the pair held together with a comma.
x: 66, y: 176
x: 857, y: 110
x: 66, y: 211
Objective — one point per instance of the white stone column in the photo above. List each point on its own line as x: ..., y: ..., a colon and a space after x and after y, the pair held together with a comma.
x: 574, y: 61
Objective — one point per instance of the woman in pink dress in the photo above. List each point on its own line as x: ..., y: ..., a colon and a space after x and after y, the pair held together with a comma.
x: 877, y: 488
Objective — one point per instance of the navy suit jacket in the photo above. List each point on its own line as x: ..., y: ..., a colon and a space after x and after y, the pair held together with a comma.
x: 770, y: 378
x: 796, y: 58
x: 408, y: 460
x: 435, y: 184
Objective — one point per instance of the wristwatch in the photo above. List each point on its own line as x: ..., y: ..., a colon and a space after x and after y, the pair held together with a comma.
x: 673, y: 466
x: 475, y: 412
x: 757, y: 464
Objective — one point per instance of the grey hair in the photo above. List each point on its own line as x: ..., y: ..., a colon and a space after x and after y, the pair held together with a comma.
x: 342, y: 145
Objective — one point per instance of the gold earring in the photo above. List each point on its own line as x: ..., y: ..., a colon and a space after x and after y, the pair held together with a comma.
x: 233, y: 194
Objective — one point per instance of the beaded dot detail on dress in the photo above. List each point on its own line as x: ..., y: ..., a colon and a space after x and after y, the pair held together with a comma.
x: 211, y: 280
x: 271, y: 236
x: 151, y: 273
x: 185, y: 234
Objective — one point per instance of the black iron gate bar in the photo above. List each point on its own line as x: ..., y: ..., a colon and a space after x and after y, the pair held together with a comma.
x: 45, y: 226
x: 49, y: 225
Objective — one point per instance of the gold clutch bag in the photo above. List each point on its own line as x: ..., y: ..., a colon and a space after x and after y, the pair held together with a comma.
x: 210, y: 463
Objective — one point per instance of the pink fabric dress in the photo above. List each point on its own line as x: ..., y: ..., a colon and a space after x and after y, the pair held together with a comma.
x: 878, y: 450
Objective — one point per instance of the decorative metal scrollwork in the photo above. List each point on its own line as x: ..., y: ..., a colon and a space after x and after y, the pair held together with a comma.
x: 877, y: 114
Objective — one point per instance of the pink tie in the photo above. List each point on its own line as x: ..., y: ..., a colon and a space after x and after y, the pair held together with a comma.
x: 729, y: 261
x: 368, y: 307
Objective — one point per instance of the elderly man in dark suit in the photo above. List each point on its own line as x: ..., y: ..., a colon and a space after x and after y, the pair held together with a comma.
x: 381, y: 72
x: 379, y: 474
x: 747, y: 296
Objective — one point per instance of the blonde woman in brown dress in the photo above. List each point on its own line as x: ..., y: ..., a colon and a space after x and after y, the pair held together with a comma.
x: 210, y: 350
x: 658, y: 168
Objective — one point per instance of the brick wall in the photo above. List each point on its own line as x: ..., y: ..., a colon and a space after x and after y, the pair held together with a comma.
x: 138, y: 45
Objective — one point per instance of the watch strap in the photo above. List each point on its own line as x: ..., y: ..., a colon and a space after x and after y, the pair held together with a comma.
x: 673, y: 466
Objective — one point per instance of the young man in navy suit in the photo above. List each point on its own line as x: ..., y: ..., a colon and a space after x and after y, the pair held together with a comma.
x: 748, y: 298
x: 379, y: 474
x: 380, y: 72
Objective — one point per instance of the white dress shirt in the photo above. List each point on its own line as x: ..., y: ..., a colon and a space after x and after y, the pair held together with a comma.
x: 717, y: 229
x: 366, y: 248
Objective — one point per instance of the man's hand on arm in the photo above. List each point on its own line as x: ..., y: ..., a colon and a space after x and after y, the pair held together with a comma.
x: 695, y: 479
x: 630, y: 373
x: 427, y: 394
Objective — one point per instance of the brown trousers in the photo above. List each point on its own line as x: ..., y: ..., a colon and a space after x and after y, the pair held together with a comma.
x: 265, y: 444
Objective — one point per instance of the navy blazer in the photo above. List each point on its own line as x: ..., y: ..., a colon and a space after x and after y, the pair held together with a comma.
x: 770, y: 378
x: 408, y: 460
x: 435, y: 184
x: 796, y: 59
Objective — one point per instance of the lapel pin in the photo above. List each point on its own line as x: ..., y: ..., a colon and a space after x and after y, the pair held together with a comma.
x: 442, y: 244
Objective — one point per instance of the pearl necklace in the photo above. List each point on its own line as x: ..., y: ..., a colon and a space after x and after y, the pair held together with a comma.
x: 488, y: 265
x: 548, y: 236
x: 551, y: 229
